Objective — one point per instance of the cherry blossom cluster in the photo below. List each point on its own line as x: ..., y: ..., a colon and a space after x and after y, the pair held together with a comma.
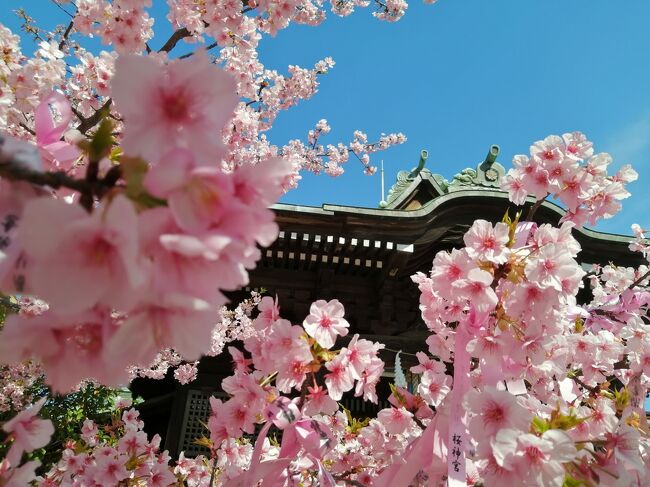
x: 297, y: 361
x: 556, y: 391
x: 123, y: 24
x: 18, y: 379
x: 235, y: 324
x: 139, y: 265
x: 224, y: 19
x: 545, y: 391
x: 26, y: 432
x: 316, y: 157
x: 134, y: 190
x: 24, y: 82
x: 62, y: 63
x: 640, y: 243
x: 121, y: 454
x: 566, y: 168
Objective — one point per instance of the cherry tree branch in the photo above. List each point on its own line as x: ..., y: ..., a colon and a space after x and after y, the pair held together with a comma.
x: 344, y: 478
x: 55, y: 2
x: 534, y: 208
x: 207, y: 48
x: 639, y: 280
x: 89, y: 122
x: 16, y: 171
x: 177, y: 36
x: 27, y: 128
x: 64, y: 39
x: 90, y: 187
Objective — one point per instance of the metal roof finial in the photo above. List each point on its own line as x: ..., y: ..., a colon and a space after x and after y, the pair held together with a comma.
x: 424, y: 154
x: 491, y: 157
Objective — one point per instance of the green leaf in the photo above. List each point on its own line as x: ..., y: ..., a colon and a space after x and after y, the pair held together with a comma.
x: 567, y: 421
x: 8, y: 306
x: 569, y: 481
x: 539, y: 425
x: 512, y: 226
x: 133, y: 171
x: 621, y: 399
x: 116, y: 154
x: 102, y: 141
x: 398, y: 395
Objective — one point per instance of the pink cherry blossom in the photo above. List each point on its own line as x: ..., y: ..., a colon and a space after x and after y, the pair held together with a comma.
x: 434, y: 387
x: 58, y: 154
x: 339, y: 379
x: 325, y: 322
x: 70, y: 348
x: 493, y: 410
x: 180, y: 104
x: 395, y: 420
x: 269, y: 312
x: 28, y: 432
x: 477, y: 289
x: 81, y: 260
x: 319, y: 402
x: 538, y: 460
x: 485, y: 242
x: 161, y: 322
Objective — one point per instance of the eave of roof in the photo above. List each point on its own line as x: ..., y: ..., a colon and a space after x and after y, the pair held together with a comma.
x: 427, y: 224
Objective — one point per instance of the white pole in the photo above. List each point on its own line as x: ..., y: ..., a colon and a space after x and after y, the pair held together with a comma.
x: 382, y: 180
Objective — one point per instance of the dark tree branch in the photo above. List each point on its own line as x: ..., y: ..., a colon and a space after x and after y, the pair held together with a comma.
x: 27, y: 128
x: 61, y: 8
x: 15, y: 171
x: 89, y: 188
x: 88, y: 123
x: 344, y: 478
x: 534, y: 208
x: 64, y: 39
x: 213, y: 471
x: 207, y: 48
x: 639, y: 280
x: 174, y: 38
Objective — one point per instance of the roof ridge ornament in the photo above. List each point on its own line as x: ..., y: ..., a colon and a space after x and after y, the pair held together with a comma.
x: 405, y: 178
x: 487, y: 174
x: 424, y: 155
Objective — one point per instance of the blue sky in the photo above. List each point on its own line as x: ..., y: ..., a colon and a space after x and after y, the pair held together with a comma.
x: 458, y: 76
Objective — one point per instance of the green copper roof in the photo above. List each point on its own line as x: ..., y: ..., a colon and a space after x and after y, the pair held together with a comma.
x: 487, y: 174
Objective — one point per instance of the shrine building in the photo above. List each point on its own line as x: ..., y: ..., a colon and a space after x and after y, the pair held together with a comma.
x: 364, y: 257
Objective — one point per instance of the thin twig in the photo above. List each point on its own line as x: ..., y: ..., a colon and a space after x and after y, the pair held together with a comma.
x: 419, y: 422
x: 89, y: 188
x: 348, y: 481
x: 213, y: 472
x: 27, y: 128
x: 534, y: 208
x: 594, y: 391
x: 61, y: 7
x: 207, y: 48
x: 639, y: 280
x: 64, y: 39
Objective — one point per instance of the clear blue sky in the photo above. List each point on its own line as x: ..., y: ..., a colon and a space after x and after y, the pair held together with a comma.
x: 458, y: 76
